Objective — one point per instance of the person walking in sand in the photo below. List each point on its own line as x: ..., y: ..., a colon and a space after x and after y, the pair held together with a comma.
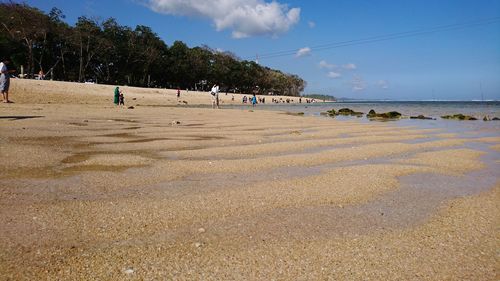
x: 5, y: 79
x: 178, y: 92
x: 215, y: 96
x: 117, y: 96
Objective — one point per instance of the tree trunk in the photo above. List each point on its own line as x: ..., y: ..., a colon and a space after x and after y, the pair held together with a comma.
x: 63, y: 65
x: 31, y: 61
x: 80, y: 72
x: 40, y: 61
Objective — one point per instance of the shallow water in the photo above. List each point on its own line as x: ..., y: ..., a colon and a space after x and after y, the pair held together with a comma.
x: 428, y: 108
x: 418, y: 196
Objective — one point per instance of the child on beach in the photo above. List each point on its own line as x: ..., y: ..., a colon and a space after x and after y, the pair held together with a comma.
x: 121, y: 99
x: 254, y: 100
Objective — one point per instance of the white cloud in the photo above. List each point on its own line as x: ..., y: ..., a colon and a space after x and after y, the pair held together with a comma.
x: 349, y: 66
x: 244, y: 18
x: 334, y: 75
x: 311, y: 24
x: 357, y: 83
x: 306, y: 51
x: 325, y: 65
x: 383, y: 84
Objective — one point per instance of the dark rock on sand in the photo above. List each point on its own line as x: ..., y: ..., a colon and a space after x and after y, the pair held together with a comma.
x: 487, y: 118
x: 391, y: 114
x: 459, y: 117
x: 385, y: 115
x: 331, y: 113
x: 422, y: 117
x: 342, y: 111
x: 295, y: 113
x: 348, y: 111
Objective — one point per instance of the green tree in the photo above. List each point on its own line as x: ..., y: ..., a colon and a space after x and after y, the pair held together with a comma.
x: 116, y: 54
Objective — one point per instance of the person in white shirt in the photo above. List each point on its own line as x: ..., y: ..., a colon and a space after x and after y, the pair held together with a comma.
x: 215, y: 95
x: 5, y: 79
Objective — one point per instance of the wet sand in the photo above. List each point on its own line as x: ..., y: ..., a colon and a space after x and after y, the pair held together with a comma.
x: 93, y: 191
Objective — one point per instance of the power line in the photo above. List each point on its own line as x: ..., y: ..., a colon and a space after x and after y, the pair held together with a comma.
x: 385, y: 37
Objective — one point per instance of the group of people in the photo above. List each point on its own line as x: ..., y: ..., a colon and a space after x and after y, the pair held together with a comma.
x: 5, y: 79
x: 215, y: 97
x: 253, y: 100
x: 119, y: 98
x: 288, y: 100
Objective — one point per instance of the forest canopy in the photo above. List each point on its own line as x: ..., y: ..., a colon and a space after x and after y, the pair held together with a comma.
x: 109, y: 53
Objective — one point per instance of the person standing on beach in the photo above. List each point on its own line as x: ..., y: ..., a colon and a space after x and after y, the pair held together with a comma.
x: 178, y: 92
x: 254, y: 100
x: 117, y: 96
x: 215, y: 96
x: 5, y: 79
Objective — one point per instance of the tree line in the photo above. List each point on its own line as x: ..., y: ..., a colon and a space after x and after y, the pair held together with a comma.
x: 109, y: 53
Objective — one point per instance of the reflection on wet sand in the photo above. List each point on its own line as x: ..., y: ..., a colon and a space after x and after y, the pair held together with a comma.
x: 233, y: 194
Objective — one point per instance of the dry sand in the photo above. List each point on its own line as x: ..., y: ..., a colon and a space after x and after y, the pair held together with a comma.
x: 45, y: 91
x: 90, y: 191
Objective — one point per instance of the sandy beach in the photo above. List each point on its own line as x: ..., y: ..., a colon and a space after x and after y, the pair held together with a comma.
x: 46, y: 91
x: 165, y: 191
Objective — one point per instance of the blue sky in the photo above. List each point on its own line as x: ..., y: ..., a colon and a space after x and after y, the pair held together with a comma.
x: 443, y: 65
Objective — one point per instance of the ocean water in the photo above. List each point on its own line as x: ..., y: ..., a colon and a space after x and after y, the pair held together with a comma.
x: 434, y: 109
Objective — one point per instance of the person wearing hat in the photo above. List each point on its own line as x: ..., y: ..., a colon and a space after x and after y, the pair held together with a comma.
x: 5, y: 79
